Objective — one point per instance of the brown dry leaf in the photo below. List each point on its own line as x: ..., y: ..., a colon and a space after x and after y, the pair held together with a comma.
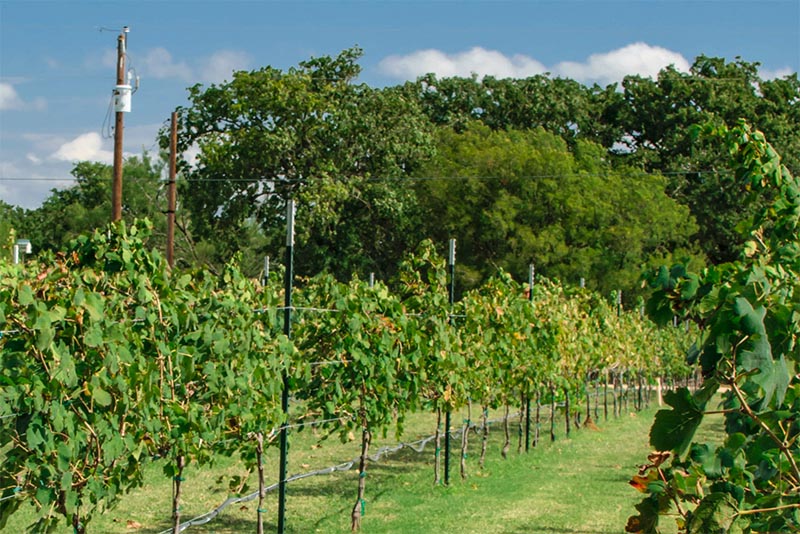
x: 448, y: 392
x: 658, y: 457
x: 133, y: 525
x: 634, y: 525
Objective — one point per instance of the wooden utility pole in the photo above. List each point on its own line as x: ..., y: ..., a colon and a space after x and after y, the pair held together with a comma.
x: 173, y: 156
x: 116, y: 187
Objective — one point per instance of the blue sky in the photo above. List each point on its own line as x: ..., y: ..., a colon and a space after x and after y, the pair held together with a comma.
x: 57, y: 66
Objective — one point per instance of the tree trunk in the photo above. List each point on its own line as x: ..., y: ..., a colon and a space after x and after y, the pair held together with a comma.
x: 507, y: 442
x: 465, y: 441
x: 358, y: 508
x: 538, y: 413
x: 566, y: 410
x: 437, y: 460
x: 588, y: 403
x: 626, y: 384
x: 614, y: 394
x: 605, y: 396
x: 260, y: 460
x: 485, y: 437
x: 640, y: 390
x: 176, y: 495
x: 77, y: 526
x: 521, y: 424
x: 597, y: 400
x: 552, y: 413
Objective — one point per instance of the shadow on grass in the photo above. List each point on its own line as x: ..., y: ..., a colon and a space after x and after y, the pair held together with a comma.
x: 553, y: 530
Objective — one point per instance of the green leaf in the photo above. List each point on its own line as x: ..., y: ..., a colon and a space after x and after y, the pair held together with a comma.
x: 689, y: 286
x: 773, y: 377
x: 674, y: 429
x: 706, y: 456
x: 95, y: 305
x: 101, y: 397
x: 716, y: 514
x: 25, y: 295
x: 93, y: 337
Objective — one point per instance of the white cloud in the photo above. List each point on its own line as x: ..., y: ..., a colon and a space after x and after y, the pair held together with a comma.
x: 33, y: 158
x: 637, y: 58
x: 774, y: 74
x: 604, y: 68
x: 220, y: 65
x: 158, y: 63
x: 9, y: 99
x: 477, y: 60
x: 85, y: 147
x: 30, y: 187
x: 192, y: 155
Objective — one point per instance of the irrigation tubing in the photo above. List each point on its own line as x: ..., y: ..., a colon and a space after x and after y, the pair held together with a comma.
x: 416, y: 446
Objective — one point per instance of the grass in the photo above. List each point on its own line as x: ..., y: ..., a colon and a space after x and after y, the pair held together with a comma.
x: 575, y: 485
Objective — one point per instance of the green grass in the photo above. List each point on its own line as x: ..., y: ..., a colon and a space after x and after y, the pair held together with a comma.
x: 576, y: 485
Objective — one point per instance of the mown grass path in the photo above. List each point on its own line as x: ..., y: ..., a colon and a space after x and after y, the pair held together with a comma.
x: 571, y: 486
x: 576, y: 485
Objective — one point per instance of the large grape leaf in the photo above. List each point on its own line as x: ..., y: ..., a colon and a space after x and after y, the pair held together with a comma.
x: 673, y: 429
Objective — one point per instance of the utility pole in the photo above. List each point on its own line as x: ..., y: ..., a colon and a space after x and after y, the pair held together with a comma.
x: 122, y: 103
x: 173, y: 156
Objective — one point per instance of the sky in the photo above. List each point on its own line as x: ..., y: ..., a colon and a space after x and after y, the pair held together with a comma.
x: 57, y: 58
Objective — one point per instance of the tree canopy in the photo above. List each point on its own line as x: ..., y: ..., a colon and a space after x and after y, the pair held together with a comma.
x: 619, y: 179
x: 313, y: 135
x: 514, y: 197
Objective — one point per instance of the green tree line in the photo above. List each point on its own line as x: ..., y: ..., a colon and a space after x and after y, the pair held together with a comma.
x: 585, y: 181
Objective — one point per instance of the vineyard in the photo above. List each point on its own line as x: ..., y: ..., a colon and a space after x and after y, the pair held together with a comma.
x: 111, y: 361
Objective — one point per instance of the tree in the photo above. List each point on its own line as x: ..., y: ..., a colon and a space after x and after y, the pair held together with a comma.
x: 336, y: 147
x: 11, y: 218
x: 655, y: 120
x: 559, y: 105
x: 86, y: 206
x: 516, y: 197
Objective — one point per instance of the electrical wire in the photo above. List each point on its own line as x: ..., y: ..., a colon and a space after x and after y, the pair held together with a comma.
x: 421, y: 178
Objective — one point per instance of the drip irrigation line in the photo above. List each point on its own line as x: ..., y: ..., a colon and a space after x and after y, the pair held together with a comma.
x: 296, y: 308
x: 311, y: 423
x: 9, y: 497
x: 416, y: 446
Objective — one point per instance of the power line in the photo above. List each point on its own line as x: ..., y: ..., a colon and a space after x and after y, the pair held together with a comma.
x: 409, y: 178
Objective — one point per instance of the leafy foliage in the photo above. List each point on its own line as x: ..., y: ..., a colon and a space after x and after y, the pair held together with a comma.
x: 749, y: 313
x: 338, y: 148
x: 525, y: 197
x: 114, y: 361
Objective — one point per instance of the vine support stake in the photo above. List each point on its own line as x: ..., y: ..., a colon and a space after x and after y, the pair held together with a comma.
x: 287, y: 330
x: 531, y: 275
x: 451, y: 265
